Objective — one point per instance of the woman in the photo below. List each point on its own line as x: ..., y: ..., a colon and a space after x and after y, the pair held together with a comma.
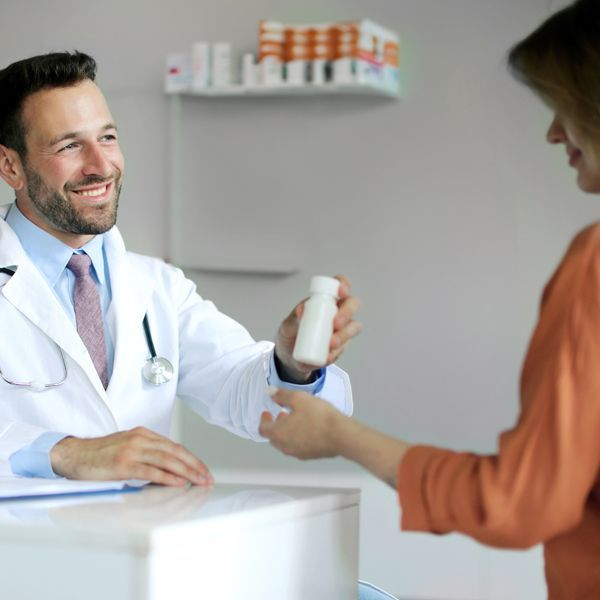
x: 544, y: 483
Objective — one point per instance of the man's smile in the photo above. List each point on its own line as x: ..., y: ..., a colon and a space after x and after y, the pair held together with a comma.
x: 98, y: 191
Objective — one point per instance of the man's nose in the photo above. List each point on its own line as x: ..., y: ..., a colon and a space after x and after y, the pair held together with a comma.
x: 96, y: 161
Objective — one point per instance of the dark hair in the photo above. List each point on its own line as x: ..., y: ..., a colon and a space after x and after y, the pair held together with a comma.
x: 25, y: 77
x: 560, y: 61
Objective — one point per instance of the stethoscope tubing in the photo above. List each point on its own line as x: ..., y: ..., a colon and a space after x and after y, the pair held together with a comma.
x: 149, y: 339
x: 35, y: 384
x: 154, y: 359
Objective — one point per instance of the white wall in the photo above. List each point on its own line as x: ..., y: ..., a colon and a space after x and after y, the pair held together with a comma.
x: 446, y: 209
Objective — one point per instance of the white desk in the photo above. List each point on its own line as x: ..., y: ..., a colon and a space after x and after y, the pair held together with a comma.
x: 231, y: 543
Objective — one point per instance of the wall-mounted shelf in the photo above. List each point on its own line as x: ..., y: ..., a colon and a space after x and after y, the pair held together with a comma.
x: 240, y: 269
x: 346, y: 89
x: 342, y: 60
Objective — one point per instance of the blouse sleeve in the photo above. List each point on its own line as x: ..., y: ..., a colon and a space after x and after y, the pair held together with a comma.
x: 537, y: 485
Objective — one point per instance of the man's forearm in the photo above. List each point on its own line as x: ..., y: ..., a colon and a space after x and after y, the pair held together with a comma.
x: 376, y: 452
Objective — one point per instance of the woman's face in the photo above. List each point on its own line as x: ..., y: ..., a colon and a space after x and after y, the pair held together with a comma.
x: 583, y: 156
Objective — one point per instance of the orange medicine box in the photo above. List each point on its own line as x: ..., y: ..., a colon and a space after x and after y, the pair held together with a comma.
x: 367, y: 53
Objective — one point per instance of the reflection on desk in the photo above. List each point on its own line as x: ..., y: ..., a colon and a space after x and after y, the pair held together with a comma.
x: 158, y: 505
x: 231, y: 542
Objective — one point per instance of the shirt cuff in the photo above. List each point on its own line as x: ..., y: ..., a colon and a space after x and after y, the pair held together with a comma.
x: 34, y: 459
x: 314, y: 387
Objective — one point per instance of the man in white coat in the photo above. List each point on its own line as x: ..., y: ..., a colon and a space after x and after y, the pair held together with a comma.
x: 74, y: 400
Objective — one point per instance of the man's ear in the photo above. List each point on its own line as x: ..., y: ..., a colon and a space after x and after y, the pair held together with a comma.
x: 11, y: 168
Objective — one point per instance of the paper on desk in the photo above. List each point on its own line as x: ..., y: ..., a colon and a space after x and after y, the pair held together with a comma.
x: 32, y: 487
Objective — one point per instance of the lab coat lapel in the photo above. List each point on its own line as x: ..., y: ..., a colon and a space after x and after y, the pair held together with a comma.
x: 29, y: 292
x: 131, y: 294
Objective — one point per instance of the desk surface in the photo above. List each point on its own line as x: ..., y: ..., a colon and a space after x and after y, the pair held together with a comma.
x: 231, y: 542
x: 155, y: 515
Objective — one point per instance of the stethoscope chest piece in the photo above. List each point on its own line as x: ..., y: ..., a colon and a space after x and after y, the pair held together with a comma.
x: 157, y: 370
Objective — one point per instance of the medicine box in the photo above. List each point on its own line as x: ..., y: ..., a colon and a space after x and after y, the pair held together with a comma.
x: 366, y: 53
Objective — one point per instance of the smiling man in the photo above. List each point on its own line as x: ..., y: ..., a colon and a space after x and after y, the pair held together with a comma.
x: 86, y: 328
x: 72, y: 178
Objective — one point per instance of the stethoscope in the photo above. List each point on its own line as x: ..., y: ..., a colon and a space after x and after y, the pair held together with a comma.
x: 156, y: 370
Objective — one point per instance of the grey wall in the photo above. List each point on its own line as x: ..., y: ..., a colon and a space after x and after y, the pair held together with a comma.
x: 445, y: 208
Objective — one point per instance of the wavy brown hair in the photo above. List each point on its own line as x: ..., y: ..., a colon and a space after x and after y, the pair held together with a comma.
x: 560, y: 61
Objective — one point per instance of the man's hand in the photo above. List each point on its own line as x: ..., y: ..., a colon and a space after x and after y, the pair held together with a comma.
x: 311, y: 430
x: 344, y: 329
x: 135, y: 454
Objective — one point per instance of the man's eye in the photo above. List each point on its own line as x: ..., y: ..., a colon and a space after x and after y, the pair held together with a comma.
x: 68, y: 147
x: 109, y: 137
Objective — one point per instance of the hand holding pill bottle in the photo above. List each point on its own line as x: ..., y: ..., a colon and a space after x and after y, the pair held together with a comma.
x: 316, y: 323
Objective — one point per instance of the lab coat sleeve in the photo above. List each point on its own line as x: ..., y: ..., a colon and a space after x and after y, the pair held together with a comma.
x: 223, y: 372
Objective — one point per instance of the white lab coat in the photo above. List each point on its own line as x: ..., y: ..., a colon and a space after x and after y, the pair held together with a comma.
x: 220, y: 371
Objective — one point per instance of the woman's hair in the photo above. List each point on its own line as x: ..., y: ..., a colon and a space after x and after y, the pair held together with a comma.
x: 21, y: 79
x: 560, y: 61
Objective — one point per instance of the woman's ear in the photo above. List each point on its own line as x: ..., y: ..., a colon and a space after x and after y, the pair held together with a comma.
x: 11, y: 168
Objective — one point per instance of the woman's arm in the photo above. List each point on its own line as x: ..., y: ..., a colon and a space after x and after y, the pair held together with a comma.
x: 314, y: 429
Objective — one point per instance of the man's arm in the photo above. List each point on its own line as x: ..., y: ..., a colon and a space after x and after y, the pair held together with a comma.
x: 224, y: 373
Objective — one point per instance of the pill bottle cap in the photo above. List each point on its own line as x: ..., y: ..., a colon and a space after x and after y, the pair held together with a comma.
x: 320, y: 284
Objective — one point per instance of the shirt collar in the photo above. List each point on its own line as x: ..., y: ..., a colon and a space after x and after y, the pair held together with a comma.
x: 48, y: 253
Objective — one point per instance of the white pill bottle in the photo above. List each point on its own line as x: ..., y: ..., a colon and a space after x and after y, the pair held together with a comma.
x: 316, y: 323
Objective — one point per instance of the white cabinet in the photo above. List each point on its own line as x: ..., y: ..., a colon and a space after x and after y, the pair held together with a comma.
x: 163, y: 543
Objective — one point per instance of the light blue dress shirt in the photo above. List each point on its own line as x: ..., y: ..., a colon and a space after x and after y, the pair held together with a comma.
x: 51, y: 256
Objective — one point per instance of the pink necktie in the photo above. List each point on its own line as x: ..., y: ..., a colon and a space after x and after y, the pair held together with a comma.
x: 88, y: 313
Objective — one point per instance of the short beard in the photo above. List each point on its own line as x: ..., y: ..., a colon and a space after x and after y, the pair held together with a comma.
x: 58, y: 211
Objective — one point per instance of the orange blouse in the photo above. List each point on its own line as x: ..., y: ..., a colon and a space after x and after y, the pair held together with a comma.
x: 544, y: 483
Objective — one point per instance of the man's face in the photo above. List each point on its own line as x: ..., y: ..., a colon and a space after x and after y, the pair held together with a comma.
x: 74, y: 166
